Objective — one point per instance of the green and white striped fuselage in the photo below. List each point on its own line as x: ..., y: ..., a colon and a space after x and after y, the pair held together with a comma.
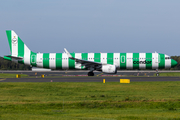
x: 120, y: 60
x: 107, y: 62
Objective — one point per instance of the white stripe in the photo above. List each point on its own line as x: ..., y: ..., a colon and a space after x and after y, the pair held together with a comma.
x: 39, y: 60
x: 167, y: 62
x: 27, y: 53
x: 14, y: 43
x: 78, y: 65
x: 155, y: 63
x: 52, y: 61
x: 104, y: 58
x: 142, y: 55
x: 129, y: 61
x: 65, y: 63
x: 117, y: 60
x: 91, y: 56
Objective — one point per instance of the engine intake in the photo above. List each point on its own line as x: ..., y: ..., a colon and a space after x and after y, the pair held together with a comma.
x: 109, y: 69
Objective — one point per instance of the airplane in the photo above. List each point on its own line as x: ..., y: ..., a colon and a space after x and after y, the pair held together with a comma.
x: 104, y: 62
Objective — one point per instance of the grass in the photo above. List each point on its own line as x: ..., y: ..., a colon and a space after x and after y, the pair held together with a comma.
x: 7, y: 75
x: 169, y: 74
x: 86, y: 101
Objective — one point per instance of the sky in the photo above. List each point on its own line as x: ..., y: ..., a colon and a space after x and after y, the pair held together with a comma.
x: 49, y: 26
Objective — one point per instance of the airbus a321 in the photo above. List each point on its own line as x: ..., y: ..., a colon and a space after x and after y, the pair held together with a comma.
x: 104, y: 62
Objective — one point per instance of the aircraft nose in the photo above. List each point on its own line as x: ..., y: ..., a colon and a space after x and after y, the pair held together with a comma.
x: 173, y: 63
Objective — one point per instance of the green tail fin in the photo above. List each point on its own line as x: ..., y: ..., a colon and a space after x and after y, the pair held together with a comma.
x: 17, y: 46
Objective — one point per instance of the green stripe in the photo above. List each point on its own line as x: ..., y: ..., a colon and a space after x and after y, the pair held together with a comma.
x: 20, y: 50
x: 149, y: 60
x: 7, y: 58
x: 8, y: 32
x: 84, y: 57
x: 110, y: 58
x: 46, y: 60
x: 72, y: 62
x: 135, y: 60
x: 58, y: 60
x: 21, y: 61
x: 122, y: 61
x: 33, y: 59
x: 162, y: 61
x: 97, y: 57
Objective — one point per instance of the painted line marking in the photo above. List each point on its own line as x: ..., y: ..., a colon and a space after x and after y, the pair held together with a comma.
x: 100, y: 74
x: 2, y: 79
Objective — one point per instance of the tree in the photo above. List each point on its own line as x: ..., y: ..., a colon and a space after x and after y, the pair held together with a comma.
x: 9, y: 65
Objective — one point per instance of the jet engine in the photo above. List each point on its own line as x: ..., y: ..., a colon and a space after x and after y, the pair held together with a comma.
x: 109, y: 69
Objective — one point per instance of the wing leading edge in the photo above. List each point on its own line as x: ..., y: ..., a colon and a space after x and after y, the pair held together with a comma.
x: 86, y: 63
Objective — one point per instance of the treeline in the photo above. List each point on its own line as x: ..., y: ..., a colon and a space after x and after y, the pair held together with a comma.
x: 176, y: 58
x: 9, y: 65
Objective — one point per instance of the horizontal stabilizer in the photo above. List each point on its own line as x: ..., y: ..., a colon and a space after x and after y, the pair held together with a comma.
x: 13, y: 57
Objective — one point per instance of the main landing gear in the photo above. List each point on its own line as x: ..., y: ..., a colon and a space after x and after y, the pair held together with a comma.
x: 157, y: 73
x: 90, y: 74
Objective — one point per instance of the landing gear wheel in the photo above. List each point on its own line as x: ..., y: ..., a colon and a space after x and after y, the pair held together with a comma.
x: 157, y: 74
x: 90, y: 74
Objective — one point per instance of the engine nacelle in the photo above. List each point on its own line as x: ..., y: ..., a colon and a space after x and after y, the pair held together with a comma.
x: 109, y: 69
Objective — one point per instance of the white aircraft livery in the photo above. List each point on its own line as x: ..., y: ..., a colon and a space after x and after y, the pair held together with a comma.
x: 105, y: 62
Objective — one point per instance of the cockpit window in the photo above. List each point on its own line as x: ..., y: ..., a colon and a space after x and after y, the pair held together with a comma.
x: 167, y: 58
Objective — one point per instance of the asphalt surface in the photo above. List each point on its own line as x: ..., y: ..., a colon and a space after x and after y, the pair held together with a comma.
x: 90, y: 79
x: 84, y: 72
x: 80, y: 72
x: 64, y: 76
x: 122, y: 73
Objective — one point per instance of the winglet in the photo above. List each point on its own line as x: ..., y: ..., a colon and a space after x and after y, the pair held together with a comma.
x: 69, y: 55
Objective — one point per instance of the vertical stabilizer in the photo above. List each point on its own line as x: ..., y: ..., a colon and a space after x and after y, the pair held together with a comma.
x: 17, y: 47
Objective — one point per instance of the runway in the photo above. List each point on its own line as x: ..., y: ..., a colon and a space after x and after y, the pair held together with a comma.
x: 90, y: 79
x: 143, y: 73
x: 80, y: 72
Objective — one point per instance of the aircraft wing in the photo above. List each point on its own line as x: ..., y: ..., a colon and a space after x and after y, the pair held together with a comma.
x: 86, y: 63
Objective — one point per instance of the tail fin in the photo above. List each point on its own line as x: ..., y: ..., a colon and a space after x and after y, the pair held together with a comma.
x: 17, y: 46
x: 19, y: 51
